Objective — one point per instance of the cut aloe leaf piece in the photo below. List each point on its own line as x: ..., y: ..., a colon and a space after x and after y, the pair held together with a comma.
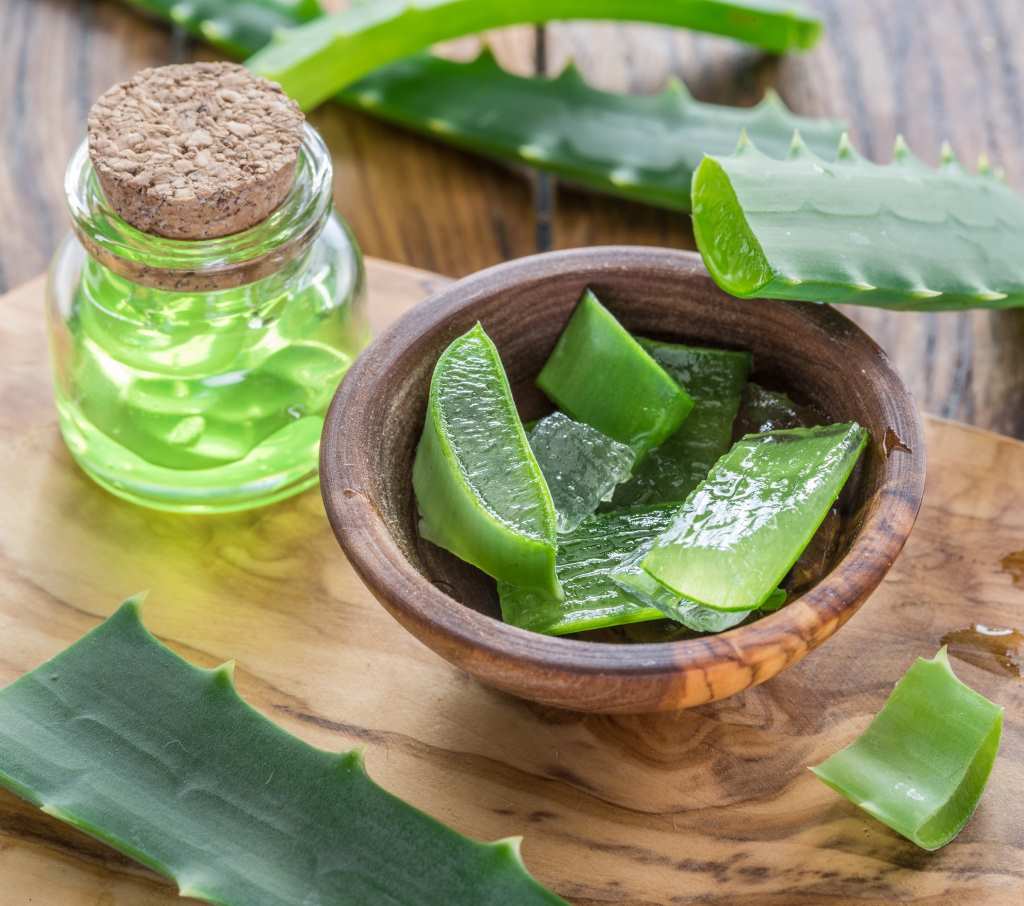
x: 480, y: 491
x: 586, y: 558
x: 714, y: 378
x: 899, y: 236
x: 315, y: 60
x: 744, y: 527
x: 122, y: 739
x: 581, y: 465
x: 599, y: 374
x: 641, y: 147
x: 922, y: 764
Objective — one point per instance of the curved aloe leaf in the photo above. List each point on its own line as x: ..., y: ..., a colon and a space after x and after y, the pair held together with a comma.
x: 641, y: 147
x: 121, y: 738
x: 922, y: 764
x: 644, y: 148
x: 901, y: 236
x: 315, y: 60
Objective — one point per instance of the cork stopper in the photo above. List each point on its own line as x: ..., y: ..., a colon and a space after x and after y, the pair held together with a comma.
x: 195, y: 150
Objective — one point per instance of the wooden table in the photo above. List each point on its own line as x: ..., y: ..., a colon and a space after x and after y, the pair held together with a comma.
x: 930, y: 69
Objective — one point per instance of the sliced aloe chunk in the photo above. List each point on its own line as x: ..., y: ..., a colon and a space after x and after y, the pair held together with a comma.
x: 923, y: 762
x: 586, y: 558
x: 582, y: 466
x: 124, y: 740
x: 599, y: 374
x: 740, y: 531
x: 480, y: 491
x: 715, y: 379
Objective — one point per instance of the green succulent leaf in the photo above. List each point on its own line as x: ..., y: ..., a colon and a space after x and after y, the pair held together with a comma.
x: 315, y: 60
x: 124, y: 740
x: 903, y: 236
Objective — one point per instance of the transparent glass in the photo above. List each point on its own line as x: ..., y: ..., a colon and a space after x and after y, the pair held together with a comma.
x: 195, y: 375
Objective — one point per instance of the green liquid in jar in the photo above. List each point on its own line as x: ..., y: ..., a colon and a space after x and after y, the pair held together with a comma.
x: 208, y: 402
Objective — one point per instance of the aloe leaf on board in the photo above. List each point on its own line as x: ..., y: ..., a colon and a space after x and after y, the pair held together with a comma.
x: 641, y: 147
x: 479, y: 489
x: 581, y: 465
x: 743, y: 528
x: 315, y: 60
x: 599, y: 374
x: 124, y: 740
x: 903, y: 236
x: 715, y: 379
x: 922, y: 764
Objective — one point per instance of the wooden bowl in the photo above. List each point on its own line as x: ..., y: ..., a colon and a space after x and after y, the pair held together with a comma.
x: 374, y: 424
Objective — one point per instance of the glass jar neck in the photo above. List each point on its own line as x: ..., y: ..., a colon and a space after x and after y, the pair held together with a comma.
x: 203, y: 265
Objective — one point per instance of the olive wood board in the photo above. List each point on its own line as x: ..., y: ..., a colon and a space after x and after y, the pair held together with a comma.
x: 712, y: 805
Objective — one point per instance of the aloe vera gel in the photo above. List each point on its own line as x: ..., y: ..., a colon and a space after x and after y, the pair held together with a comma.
x: 645, y: 497
x: 209, y: 300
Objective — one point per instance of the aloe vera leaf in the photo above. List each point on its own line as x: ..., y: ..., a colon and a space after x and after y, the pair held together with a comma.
x: 315, y: 60
x: 237, y: 28
x: 599, y: 374
x: 586, y: 558
x: 480, y: 491
x: 744, y: 527
x: 764, y: 410
x: 715, y: 379
x: 903, y: 236
x: 922, y: 764
x: 581, y: 465
x: 644, y: 148
x: 124, y: 740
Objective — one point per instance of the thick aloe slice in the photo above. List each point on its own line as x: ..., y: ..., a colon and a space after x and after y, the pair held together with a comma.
x: 642, y: 147
x: 600, y: 375
x: 900, y: 236
x: 923, y: 762
x: 715, y: 379
x: 121, y: 738
x: 480, y: 492
x: 740, y: 531
x: 586, y: 558
x: 581, y: 465
x: 317, y: 59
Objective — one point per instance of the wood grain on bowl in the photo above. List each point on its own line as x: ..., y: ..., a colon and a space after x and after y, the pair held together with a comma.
x: 376, y: 419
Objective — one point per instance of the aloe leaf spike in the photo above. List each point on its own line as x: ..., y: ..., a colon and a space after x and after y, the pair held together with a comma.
x: 315, y: 60
x: 124, y: 740
x: 904, y: 235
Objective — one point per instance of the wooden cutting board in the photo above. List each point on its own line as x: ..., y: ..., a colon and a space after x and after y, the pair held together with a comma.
x: 710, y: 806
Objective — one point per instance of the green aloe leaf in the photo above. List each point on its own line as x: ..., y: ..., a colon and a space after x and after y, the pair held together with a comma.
x: 899, y: 236
x: 744, y: 527
x: 315, y: 60
x: 121, y: 738
x: 641, y: 147
x: 923, y: 762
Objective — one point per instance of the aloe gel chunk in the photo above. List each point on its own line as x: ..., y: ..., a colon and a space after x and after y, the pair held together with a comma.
x: 715, y: 379
x: 582, y: 466
x: 599, y: 374
x: 923, y: 762
x: 479, y: 489
x: 122, y: 739
x: 742, y: 529
x: 587, y: 557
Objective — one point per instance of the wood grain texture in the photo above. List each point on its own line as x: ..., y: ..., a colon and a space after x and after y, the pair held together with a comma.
x: 707, y: 806
x: 813, y: 352
x: 931, y: 69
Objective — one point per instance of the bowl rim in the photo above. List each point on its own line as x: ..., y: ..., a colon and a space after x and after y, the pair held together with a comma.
x: 461, y: 633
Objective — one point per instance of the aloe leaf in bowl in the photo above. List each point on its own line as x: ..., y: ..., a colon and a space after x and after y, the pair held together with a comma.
x: 901, y: 236
x: 315, y: 60
x: 124, y: 740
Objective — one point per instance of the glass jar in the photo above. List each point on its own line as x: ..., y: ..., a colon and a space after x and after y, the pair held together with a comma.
x: 195, y: 375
